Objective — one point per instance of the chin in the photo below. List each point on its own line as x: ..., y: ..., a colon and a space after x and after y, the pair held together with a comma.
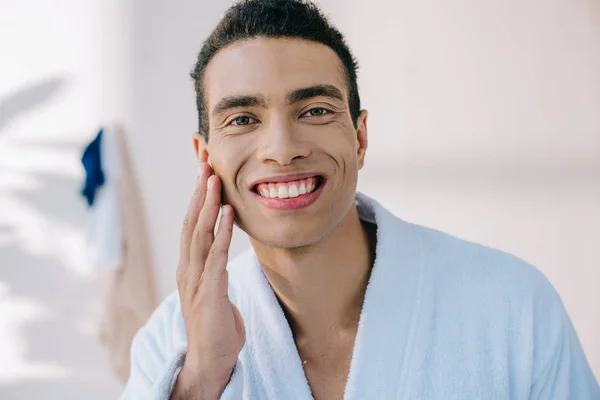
x: 288, y: 243
x: 292, y: 237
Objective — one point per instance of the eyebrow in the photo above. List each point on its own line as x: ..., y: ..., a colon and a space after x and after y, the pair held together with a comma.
x: 227, y: 103
x: 295, y: 96
x: 314, y: 91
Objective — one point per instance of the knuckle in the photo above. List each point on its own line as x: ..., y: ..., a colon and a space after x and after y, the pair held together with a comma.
x: 212, y: 253
x: 216, y: 252
x: 198, y: 233
x: 203, y: 229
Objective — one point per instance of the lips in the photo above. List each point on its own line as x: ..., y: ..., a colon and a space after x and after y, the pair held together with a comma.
x: 290, y: 192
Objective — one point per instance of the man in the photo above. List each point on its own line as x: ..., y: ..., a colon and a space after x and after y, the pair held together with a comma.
x: 337, y: 298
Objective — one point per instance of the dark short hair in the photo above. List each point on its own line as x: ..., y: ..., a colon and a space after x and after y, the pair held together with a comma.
x: 295, y: 19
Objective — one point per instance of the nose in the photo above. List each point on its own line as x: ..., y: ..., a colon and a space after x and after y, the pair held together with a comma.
x: 281, y: 144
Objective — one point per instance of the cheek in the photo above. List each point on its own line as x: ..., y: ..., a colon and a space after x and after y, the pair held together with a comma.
x: 217, y: 156
x: 226, y: 159
x: 341, y: 144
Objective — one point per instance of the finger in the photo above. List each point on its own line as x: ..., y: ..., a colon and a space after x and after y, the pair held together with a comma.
x: 191, y: 217
x: 203, y: 235
x: 219, y: 251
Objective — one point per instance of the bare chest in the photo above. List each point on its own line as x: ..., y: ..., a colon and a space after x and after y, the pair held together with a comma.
x: 327, y: 374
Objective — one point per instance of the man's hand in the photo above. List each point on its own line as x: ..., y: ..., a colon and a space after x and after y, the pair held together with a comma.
x: 214, y: 326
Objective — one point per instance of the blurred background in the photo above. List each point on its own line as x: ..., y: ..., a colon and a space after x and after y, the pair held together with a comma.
x: 484, y: 123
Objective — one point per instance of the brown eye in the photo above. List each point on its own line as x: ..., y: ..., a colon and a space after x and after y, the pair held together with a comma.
x: 317, y: 112
x: 243, y: 120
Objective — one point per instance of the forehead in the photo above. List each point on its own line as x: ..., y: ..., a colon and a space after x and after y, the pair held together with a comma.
x: 271, y: 67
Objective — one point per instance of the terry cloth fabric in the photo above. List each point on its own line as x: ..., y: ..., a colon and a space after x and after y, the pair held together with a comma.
x: 442, y: 318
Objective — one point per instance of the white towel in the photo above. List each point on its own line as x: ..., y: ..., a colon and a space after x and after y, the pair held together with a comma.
x: 443, y: 318
x: 103, y: 221
x: 131, y: 295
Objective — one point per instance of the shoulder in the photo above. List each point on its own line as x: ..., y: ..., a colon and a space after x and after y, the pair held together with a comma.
x: 160, y: 341
x: 482, y: 272
x: 483, y: 289
x: 164, y: 332
x: 456, y: 264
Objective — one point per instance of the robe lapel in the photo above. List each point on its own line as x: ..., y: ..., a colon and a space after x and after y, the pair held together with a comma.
x: 270, y: 352
x: 385, y: 333
x: 390, y: 311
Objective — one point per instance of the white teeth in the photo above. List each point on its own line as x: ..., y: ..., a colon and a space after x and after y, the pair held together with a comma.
x: 302, y: 189
x: 283, y: 192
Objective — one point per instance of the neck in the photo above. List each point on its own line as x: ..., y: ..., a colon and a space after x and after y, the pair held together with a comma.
x: 321, y: 287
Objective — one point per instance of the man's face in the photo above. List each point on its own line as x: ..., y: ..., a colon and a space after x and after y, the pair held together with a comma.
x: 282, y: 139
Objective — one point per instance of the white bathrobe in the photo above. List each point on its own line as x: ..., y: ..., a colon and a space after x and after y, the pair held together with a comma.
x: 442, y: 318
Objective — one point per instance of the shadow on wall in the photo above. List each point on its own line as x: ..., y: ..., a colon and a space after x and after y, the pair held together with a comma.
x: 27, y: 99
x: 57, y: 359
x: 49, y: 306
x: 52, y: 309
x: 70, y: 389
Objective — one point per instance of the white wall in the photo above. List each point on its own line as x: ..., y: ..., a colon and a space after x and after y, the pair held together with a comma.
x: 56, y: 65
x: 484, y: 122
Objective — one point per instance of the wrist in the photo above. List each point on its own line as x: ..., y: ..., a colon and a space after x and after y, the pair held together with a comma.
x: 194, y: 385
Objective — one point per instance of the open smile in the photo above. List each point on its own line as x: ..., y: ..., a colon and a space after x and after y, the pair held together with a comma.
x: 289, y: 193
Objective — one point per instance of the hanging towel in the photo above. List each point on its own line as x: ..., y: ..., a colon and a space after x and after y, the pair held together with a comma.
x: 92, y: 163
x: 103, y: 219
x: 442, y: 318
x: 131, y: 295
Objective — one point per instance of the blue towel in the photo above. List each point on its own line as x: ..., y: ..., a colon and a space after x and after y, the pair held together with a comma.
x: 92, y: 163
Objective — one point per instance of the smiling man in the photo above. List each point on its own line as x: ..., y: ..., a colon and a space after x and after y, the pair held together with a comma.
x: 336, y: 298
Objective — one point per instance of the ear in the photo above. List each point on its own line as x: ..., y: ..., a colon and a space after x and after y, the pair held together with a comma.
x: 361, y: 137
x: 200, y: 147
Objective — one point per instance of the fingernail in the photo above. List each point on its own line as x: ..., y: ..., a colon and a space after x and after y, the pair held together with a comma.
x: 211, y: 182
x: 199, y: 170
